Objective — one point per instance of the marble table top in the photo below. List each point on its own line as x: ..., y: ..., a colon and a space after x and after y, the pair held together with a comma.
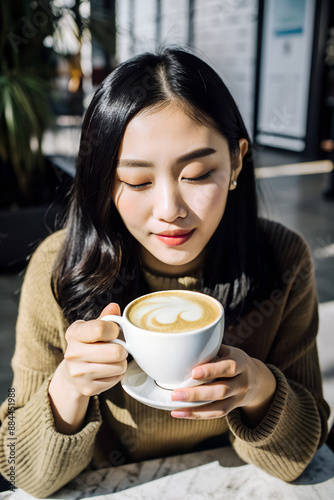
x: 214, y: 474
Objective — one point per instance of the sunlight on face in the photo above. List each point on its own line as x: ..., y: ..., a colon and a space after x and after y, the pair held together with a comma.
x: 171, y: 186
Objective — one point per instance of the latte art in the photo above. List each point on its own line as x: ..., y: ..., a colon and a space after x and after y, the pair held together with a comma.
x: 173, y: 312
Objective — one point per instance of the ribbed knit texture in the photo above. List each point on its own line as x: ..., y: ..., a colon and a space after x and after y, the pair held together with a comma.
x: 281, y: 332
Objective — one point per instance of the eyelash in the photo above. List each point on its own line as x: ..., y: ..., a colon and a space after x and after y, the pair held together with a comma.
x: 196, y: 179
x: 201, y: 178
x: 136, y: 186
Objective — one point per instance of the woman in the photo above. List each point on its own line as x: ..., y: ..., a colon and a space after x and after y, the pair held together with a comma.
x: 164, y: 198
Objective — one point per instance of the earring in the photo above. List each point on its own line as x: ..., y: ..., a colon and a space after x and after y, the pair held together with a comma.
x: 234, y: 183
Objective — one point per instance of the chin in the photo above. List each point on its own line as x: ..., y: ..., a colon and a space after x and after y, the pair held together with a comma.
x: 176, y: 261
x: 174, y: 258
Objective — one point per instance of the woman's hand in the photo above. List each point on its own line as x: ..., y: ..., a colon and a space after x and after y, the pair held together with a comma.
x: 240, y: 381
x: 94, y: 363
x: 91, y: 365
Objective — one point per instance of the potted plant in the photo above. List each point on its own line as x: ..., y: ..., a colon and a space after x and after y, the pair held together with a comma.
x: 26, y: 71
x: 29, y: 181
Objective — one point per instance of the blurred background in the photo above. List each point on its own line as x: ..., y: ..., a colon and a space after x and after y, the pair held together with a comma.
x: 275, y: 56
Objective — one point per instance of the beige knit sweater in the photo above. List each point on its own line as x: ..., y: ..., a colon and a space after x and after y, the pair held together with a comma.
x: 280, y: 331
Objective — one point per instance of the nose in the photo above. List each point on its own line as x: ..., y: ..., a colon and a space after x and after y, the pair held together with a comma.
x: 168, y: 203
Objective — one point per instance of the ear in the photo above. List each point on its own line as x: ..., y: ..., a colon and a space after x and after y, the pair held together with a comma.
x: 238, y: 162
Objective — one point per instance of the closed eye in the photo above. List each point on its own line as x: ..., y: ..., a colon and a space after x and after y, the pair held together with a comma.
x: 200, y: 178
x: 136, y: 186
x: 190, y: 179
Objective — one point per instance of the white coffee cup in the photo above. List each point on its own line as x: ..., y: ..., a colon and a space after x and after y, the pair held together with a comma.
x: 168, y: 357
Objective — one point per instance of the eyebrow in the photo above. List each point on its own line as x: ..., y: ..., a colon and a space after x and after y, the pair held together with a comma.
x: 197, y: 153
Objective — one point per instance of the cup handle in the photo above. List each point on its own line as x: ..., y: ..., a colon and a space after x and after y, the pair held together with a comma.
x: 120, y: 322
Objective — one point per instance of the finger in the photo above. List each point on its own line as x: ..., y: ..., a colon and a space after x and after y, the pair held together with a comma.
x: 207, y: 392
x: 97, y: 371
x: 217, y: 409
x: 99, y: 352
x: 218, y: 369
x: 92, y: 331
x: 225, y: 351
x: 105, y: 353
x: 111, y: 308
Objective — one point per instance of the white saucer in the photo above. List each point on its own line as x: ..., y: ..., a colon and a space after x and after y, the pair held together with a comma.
x: 143, y: 388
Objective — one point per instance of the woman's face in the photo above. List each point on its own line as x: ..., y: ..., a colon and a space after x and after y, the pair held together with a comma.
x: 171, y: 186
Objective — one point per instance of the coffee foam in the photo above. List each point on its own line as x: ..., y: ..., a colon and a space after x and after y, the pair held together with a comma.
x: 173, y: 312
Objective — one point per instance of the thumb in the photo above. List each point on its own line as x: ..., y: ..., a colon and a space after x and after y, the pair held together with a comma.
x: 111, y: 308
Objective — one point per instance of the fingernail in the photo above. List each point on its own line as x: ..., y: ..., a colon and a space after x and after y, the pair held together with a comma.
x: 179, y: 414
x: 179, y: 396
x: 197, y: 373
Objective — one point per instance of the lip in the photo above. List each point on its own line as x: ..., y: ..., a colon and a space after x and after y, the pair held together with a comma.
x: 174, y: 238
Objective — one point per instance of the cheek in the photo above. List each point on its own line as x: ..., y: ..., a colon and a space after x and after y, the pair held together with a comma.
x: 211, y: 198
x: 131, y: 211
x: 124, y: 204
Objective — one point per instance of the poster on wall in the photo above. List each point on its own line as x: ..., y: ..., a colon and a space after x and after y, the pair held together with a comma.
x: 285, y: 71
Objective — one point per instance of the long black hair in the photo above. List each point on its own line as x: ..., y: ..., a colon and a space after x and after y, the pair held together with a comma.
x: 99, y: 261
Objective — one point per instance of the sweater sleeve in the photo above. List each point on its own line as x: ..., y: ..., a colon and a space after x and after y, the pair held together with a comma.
x: 43, y: 459
x: 287, y: 438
